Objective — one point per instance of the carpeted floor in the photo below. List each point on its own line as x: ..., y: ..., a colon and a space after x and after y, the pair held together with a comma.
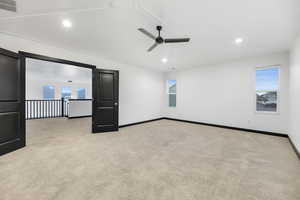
x: 162, y: 160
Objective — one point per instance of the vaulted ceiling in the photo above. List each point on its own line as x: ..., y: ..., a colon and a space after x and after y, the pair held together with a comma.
x: 108, y: 28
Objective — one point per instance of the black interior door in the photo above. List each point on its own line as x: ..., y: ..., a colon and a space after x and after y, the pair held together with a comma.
x: 105, y: 100
x: 12, y: 109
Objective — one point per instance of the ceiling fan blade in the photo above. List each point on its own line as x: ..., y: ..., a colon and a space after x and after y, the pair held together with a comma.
x: 176, y: 40
x: 147, y: 33
x: 152, y: 47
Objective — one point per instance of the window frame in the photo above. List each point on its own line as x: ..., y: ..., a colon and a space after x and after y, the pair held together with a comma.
x: 172, y: 93
x: 277, y: 66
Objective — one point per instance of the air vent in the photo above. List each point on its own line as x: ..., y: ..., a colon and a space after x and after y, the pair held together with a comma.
x: 8, y: 5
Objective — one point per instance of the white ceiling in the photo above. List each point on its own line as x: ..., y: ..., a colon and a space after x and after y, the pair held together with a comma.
x: 49, y: 71
x: 109, y: 28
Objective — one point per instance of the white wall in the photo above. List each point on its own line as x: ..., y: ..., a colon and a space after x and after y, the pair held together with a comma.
x: 40, y: 73
x: 294, y: 101
x: 220, y: 94
x: 224, y: 94
x: 80, y: 108
x: 141, y: 90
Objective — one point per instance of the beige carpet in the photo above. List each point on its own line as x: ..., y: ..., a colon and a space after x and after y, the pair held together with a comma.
x: 163, y: 160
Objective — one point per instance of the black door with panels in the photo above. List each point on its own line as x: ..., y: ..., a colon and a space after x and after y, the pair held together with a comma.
x: 12, y: 106
x: 105, y: 100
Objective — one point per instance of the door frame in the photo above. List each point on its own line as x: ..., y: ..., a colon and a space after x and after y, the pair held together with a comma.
x: 23, y: 55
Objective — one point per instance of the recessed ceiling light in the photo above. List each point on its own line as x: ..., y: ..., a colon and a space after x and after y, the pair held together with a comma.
x: 67, y: 23
x: 239, y: 40
x: 164, y: 60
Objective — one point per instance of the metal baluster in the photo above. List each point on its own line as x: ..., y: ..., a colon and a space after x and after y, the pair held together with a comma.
x: 62, y: 107
x: 31, y: 109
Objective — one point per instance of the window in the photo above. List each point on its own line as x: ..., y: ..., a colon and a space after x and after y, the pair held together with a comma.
x: 66, y: 92
x: 48, y: 92
x: 171, y: 90
x: 81, y: 93
x: 267, y: 89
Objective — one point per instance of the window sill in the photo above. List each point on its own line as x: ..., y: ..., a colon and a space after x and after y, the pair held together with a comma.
x: 267, y: 113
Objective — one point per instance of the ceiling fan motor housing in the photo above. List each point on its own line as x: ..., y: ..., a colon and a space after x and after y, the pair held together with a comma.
x: 159, y: 40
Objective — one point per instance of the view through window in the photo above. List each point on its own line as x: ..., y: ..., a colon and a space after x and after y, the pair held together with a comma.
x: 81, y: 93
x: 267, y: 86
x: 171, y: 89
x: 66, y: 92
x: 48, y: 92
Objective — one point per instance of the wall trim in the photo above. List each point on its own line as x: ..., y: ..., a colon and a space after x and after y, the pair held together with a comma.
x: 208, y: 124
x: 294, y: 148
x: 142, y: 122
x: 80, y: 117
x: 230, y: 127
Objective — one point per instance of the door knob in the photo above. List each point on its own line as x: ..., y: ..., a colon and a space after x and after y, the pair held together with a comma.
x: 116, y: 104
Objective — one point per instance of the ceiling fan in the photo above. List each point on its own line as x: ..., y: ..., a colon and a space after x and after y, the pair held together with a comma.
x: 159, y: 40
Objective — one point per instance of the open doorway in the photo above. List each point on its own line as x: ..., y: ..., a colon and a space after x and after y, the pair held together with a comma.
x: 53, y: 94
x: 58, y: 100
